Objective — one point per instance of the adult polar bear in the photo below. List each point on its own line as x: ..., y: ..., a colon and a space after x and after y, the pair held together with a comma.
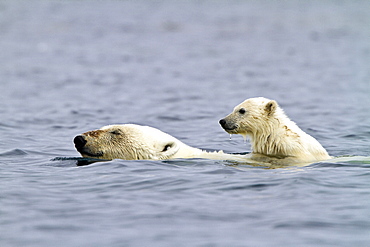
x: 137, y: 142
x: 274, y: 137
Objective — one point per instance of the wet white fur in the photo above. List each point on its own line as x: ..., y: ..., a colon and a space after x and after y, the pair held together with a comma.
x: 137, y: 142
x: 273, y: 134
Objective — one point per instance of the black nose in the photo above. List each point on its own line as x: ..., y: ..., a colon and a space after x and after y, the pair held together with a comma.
x: 79, y: 141
x: 222, y: 122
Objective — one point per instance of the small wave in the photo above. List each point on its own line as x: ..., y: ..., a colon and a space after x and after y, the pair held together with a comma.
x: 14, y: 152
x: 305, y: 224
x: 345, y: 161
x: 170, y: 118
x: 256, y: 186
x: 4, y: 125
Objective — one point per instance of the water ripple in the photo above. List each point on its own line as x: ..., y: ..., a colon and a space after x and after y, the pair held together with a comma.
x: 14, y: 152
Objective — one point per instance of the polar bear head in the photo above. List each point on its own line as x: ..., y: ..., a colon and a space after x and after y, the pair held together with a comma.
x: 131, y: 142
x: 252, y: 116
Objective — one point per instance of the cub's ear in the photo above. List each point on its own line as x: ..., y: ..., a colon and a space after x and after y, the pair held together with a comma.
x: 270, y: 107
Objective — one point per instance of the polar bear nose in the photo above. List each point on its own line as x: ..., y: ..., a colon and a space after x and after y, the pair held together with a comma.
x: 223, y: 122
x: 79, y: 141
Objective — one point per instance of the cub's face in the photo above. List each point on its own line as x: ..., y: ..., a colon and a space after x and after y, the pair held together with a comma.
x: 128, y: 141
x: 249, y: 116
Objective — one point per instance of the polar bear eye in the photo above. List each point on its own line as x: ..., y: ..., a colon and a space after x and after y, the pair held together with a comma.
x: 167, y: 147
x: 242, y: 111
x: 115, y: 132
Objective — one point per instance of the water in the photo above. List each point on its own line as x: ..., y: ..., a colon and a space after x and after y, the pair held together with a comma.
x: 180, y: 66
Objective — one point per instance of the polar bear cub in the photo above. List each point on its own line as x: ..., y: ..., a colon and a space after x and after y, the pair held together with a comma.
x: 137, y: 142
x: 272, y: 134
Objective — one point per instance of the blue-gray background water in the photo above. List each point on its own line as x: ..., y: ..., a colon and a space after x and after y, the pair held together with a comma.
x: 67, y: 67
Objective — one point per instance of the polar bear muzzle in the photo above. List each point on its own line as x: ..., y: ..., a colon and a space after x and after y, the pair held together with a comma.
x: 229, y: 126
x: 80, y: 144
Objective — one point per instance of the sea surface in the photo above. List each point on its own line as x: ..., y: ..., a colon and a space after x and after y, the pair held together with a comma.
x: 67, y: 67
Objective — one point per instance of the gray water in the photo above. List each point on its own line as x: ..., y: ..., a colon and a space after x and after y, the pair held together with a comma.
x: 67, y: 67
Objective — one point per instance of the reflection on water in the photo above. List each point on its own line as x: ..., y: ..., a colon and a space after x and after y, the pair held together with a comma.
x: 80, y: 161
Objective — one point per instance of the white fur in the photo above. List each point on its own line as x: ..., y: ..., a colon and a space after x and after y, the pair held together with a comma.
x: 136, y: 142
x: 274, y: 137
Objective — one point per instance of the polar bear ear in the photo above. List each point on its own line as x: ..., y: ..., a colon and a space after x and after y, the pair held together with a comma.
x: 270, y: 107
